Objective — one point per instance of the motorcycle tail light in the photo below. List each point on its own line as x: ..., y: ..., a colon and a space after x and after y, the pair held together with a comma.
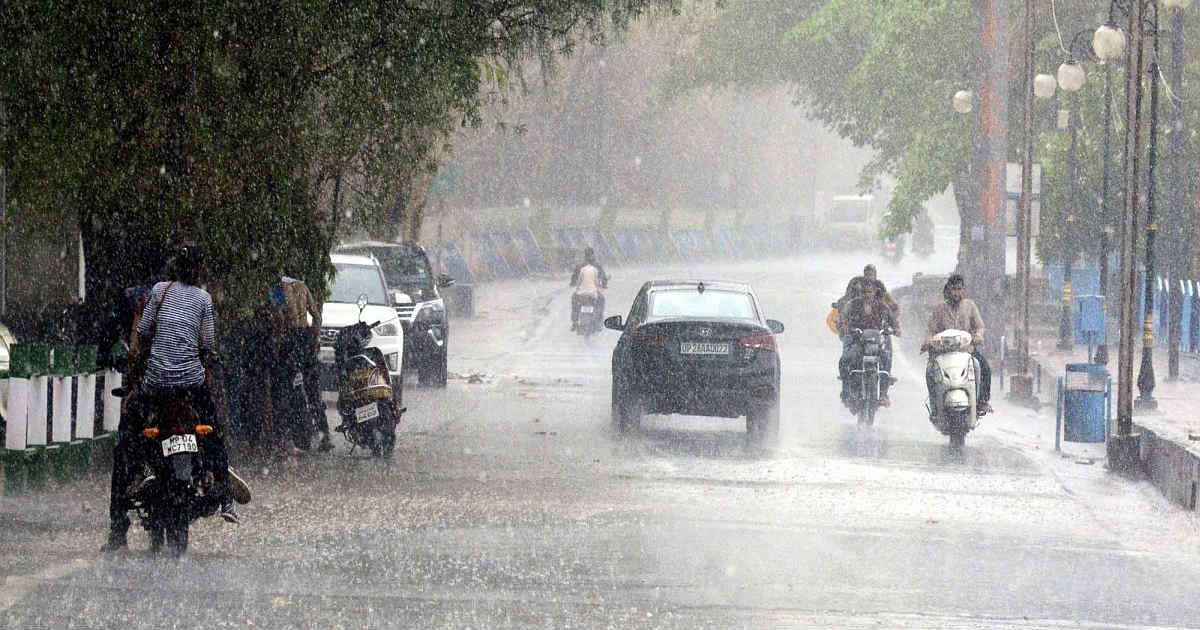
x: 177, y: 430
x: 151, y: 433
x: 204, y: 429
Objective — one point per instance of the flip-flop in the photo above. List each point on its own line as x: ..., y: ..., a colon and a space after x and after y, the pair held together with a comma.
x: 238, y: 488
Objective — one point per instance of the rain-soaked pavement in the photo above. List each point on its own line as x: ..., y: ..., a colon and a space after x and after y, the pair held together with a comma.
x: 511, y: 503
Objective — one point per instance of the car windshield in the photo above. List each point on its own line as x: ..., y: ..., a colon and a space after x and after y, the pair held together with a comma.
x: 409, y: 273
x: 352, y: 281
x: 708, y: 304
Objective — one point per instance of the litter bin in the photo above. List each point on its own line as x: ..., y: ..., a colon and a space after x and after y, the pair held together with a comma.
x: 1085, y: 402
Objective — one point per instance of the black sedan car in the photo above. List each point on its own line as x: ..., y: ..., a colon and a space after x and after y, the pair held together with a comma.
x: 697, y: 348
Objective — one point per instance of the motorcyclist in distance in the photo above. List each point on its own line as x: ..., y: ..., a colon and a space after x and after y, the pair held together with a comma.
x: 588, y: 278
x: 868, y: 311
x: 961, y: 313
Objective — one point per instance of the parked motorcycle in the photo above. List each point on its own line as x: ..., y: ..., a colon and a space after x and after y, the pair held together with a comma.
x: 954, y: 375
x: 366, y: 401
x: 177, y: 485
x: 591, y: 316
x: 865, y: 380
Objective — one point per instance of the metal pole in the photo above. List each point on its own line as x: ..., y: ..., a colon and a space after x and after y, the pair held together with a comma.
x: 1123, y: 447
x: 3, y: 219
x: 1101, y: 355
x: 1145, y: 379
x: 1178, y: 264
x: 1026, y: 197
x: 1065, y: 336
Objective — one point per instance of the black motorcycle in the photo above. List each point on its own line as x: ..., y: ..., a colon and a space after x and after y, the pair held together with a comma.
x: 866, y: 378
x: 591, y: 316
x: 369, y: 409
x: 177, y: 485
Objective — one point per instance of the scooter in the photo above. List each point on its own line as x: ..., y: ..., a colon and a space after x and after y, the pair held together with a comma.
x: 366, y: 402
x: 866, y: 379
x: 953, y: 375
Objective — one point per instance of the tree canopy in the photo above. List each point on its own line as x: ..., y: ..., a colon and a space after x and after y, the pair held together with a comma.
x: 260, y: 129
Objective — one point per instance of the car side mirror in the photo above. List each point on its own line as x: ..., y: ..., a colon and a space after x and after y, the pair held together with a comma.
x: 775, y: 325
x: 614, y: 323
x: 444, y: 280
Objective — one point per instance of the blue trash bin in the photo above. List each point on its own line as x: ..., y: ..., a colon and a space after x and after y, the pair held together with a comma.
x: 1085, y: 400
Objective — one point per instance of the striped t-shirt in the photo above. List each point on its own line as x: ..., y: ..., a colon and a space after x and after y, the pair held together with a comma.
x: 185, y: 327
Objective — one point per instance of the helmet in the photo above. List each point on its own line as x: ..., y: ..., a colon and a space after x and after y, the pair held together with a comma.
x: 189, y: 260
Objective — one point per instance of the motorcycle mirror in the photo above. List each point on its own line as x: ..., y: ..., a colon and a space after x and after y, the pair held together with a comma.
x: 361, y: 302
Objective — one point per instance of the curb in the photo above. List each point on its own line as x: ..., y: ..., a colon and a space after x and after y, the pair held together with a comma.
x: 1171, y: 465
x: 34, y: 469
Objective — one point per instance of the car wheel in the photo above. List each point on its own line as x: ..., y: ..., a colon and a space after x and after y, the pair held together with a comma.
x: 626, y: 409
x: 432, y: 372
x: 762, y: 424
x: 398, y: 389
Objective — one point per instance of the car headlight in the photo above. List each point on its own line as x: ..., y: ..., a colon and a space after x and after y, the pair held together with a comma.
x: 432, y: 314
x: 387, y: 329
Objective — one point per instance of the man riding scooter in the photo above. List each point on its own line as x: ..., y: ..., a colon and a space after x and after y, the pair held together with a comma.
x: 961, y: 313
x: 588, y: 278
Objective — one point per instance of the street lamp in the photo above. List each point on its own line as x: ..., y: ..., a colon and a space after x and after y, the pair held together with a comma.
x: 1145, y: 381
x: 1178, y: 198
x: 1109, y: 45
x: 1041, y: 86
x: 1071, y: 77
x: 963, y: 101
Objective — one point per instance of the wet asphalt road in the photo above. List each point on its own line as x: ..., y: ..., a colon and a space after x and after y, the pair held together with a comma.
x: 511, y: 503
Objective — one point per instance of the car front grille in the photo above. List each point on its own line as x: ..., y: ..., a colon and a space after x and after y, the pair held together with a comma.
x: 405, y: 311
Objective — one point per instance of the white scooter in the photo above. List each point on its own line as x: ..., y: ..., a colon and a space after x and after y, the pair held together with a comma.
x: 955, y: 377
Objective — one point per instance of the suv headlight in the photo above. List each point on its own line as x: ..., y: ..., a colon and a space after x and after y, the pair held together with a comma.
x: 387, y: 329
x: 433, y: 313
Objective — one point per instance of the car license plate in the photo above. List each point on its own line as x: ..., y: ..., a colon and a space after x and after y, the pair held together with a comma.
x: 703, y: 347
x: 179, y: 444
x: 367, y: 412
x: 586, y: 309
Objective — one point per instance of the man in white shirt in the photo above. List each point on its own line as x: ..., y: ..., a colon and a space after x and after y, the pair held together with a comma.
x: 588, y: 278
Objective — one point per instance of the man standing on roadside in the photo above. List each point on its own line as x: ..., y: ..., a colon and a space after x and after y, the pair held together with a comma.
x: 299, y: 323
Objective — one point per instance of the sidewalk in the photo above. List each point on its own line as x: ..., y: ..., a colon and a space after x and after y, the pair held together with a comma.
x: 1170, y: 436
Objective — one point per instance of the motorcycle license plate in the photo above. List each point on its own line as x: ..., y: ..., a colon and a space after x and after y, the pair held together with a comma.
x: 367, y: 412
x: 700, y: 347
x: 325, y: 354
x: 179, y: 444
x: 298, y: 381
x: 586, y: 309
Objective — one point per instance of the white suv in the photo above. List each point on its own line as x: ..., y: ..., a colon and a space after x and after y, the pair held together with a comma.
x: 355, y: 276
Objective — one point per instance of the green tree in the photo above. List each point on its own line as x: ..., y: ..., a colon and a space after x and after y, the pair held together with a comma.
x: 261, y: 129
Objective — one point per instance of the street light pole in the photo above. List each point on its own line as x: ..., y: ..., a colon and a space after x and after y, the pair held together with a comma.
x: 1066, y: 339
x: 1146, y: 401
x: 1101, y: 354
x: 1178, y: 262
x: 1123, y: 447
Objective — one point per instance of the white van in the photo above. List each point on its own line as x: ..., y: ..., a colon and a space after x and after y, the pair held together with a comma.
x: 355, y: 276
